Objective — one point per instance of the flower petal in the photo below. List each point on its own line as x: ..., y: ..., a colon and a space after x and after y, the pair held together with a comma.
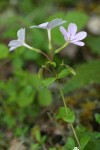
x: 51, y: 24
x: 79, y: 43
x: 72, y: 28
x: 64, y: 32
x: 43, y: 25
x: 21, y: 34
x: 80, y: 36
x: 55, y: 22
x: 66, y: 39
x: 12, y: 48
x: 14, y: 43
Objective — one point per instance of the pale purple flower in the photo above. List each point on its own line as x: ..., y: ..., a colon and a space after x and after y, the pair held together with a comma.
x: 19, y: 42
x: 71, y: 36
x: 50, y: 25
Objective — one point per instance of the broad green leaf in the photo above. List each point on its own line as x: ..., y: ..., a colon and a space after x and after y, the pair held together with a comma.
x: 3, y: 51
x: 67, y: 116
x: 30, y: 55
x: 76, y: 16
x: 84, y: 140
x: 17, y: 63
x: 94, y: 143
x: 59, y: 14
x: 63, y: 73
x: 48, y: 81
x: 70, y: 143
x: 97, y: 117
x: 44, y: 97
x: 35, y: 81
x: 26, y: 96
x: 93, y: 43
x: 87, y: 73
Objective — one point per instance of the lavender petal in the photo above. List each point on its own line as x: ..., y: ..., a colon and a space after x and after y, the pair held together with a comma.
x: 80, y: 36
x: 42, y: 26
x: 12, y: 48
x: 79, y: 43
x: 72, y: 28
x: 14, y: 43
x: 56, y: 22
x: 21, y: 34
x: 64, y: 32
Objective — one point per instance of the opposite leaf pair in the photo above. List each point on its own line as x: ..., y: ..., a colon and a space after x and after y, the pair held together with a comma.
x: 70, y: 36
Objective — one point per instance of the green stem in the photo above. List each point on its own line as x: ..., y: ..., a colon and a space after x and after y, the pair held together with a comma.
x: 75, y: 135
x: 50, y: 44
x: 63, y: 98
x: 36, y: 50
x: 67, y: 113
x: 62, y: 47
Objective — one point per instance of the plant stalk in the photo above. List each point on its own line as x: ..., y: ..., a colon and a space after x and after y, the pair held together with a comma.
x: 50, y: 44
x: 62, y: 47
x: 75, y: 135
x: 37, y: 51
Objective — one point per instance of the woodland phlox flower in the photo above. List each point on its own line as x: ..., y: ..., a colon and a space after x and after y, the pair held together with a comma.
x: 71, y: 36
x: 19, y: 42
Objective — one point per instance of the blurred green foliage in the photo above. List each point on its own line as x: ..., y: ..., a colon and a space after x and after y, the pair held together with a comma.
x: 86, y: 74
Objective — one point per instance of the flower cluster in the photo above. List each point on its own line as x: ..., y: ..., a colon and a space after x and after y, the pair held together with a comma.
x: 70, y: 35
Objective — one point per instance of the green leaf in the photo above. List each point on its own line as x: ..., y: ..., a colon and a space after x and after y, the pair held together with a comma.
x: 44, y: 97
x: 26, y: 96
x: 35, y: 146
x: 30, y: 55
x: 71, y: 70
x: 93, y: 43
x: 97, y: 117
x: 52, y: 148
x: 48, y: 81
x: 84, y: 140
x: 53, y: 63
x: 76, y: 16
x: 94, y: 143
x: 3, y: 51
x: 59, y: 14
x: 9, y: 120
x: 63, y: 73
x: 87, y: 73
x: 70, y: 143
x: 66, y: 115
x: 35, y: 81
